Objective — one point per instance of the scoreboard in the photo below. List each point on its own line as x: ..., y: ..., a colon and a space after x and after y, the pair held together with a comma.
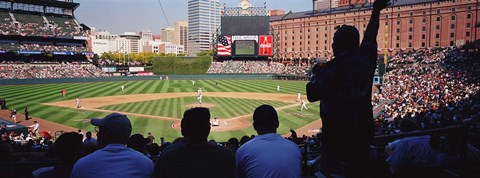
x: 245, y: 46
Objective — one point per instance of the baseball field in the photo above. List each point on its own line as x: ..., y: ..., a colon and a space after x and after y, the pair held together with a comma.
x: 157, y: 106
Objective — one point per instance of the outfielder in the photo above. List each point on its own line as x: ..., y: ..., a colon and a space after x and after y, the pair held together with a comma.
x: 304, y: 105
x: 278, y: 88
x: 193, y: 82
x: 199, y: 93
x: 123, y: 87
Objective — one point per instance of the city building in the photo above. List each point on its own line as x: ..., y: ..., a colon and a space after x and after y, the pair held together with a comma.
x: 146, y: 35
x: 168, y: 34
x: 325, y: 4
x: 405, y: 25
x: 181, y: 33
x: 203, y: 21
x: 129, y: 42
x: 169, y: 48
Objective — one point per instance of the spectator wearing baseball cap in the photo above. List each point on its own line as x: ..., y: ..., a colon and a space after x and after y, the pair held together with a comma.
x: 114, y: 159
x: 194, y: 157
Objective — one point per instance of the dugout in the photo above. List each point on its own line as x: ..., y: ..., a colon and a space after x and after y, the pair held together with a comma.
x: 14, y: 127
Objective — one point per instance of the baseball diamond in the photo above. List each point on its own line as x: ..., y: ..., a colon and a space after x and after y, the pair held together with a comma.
x: 157, y: 106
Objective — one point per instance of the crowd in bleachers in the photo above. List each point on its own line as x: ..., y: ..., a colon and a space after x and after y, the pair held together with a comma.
x: 435, y: 90
x: 424, y: 56
x: 108, y: 62
x: 42, y: 48
x: 38, y: 25
x: 258, y: 67
x: 55, y: 70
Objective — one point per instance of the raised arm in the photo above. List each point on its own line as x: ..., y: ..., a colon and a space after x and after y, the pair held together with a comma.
x: 372, y: 28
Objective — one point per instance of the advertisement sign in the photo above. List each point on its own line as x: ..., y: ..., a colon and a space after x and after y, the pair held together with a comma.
x: 29, y: 52
x: 245, y: 38
x: 109, y: 69
x: 63, y: 53
x: 145, y: 74
x: 265, y: 47
x: 3, y: 51
x: 136, y: 69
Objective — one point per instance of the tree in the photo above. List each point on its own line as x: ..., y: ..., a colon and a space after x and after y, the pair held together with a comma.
x: 205, y: 53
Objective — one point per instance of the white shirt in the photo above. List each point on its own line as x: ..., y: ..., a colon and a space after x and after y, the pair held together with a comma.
x: 35, y: 126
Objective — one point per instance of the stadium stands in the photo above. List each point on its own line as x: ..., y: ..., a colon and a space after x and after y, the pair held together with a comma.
x: 59, y: 70
x: 258, y: 67
x: 6, y: 24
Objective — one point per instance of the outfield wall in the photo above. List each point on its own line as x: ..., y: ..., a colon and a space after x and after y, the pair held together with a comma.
x: 135, y: 78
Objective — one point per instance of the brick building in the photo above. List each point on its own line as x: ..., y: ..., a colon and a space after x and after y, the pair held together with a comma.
x: 406, y: 25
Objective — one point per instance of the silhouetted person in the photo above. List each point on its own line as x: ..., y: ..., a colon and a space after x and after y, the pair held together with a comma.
x: 194, y: 157
x: 114, y: 159
x: 344, y: 87
x: 137, y: 142
x: 89, y: 139
x: 68, y: 148
x: 268, y: 154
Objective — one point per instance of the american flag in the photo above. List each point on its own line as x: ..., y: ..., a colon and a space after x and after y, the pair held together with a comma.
x: 224, y: 46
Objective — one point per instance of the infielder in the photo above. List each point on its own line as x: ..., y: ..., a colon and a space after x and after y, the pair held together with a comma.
x: 299, y: 97
x: 199, y: 93
x: 304, y: 105
x: 77, y: 101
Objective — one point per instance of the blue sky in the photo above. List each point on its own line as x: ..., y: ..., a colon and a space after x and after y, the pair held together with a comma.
x: 118, y: 16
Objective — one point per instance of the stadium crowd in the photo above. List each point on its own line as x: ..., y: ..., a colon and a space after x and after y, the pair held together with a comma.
x: 109, y: 62
x: 38, y: 25
x: 42, y: 48
x: 437, y: 88
x: 263, y: 67
x: 72, y: 153
x: 58, y: 70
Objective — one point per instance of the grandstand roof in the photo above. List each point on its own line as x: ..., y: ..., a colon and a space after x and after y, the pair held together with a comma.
x: 51, y: 3
x: 343, y: 9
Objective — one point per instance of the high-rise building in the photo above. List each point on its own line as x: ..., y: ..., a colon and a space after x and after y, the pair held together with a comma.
x: 181, y: 33
x: 168, y: 35
x: 203, y: 21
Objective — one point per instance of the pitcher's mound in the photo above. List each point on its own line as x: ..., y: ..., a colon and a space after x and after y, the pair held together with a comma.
x: 205, y: 105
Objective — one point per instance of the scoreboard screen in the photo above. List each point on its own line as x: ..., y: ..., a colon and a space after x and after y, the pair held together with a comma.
x: 245, y: 25
x: 245, y: 47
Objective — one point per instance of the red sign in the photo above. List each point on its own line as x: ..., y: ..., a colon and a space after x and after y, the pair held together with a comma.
x: 265, y: 46
x: 144, y: 73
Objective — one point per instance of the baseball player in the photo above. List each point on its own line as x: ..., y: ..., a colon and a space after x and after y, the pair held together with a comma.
x: 123, y: 87
x: 299, y: 97
x: 13, y: 115
x: 77, y: 101
x: 304, y: 105
x: 278, y: 88
x: 199, y: 93
x: 193, y: 82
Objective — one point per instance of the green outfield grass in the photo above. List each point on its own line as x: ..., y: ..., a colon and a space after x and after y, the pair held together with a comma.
x: 20, y: 96
x: 174, y: 107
